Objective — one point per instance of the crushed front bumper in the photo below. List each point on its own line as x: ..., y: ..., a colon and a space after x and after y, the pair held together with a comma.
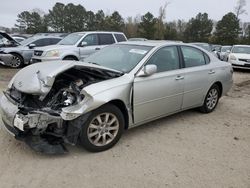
x: 16, y: 127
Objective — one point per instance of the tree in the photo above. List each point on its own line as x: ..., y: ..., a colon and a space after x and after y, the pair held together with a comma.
x: 147, y: 26
x: 114, y: 22
x: 171, y: 31
x: 131, y: 27
x: 55, y: 18
x: 100, y: 20
x: 160, y: 21
x: 31, y: 22
x: 199, y: 28
x: 227, y: 29
x: 239, y: 9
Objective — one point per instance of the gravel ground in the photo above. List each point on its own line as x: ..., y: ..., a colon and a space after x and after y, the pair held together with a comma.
x: 189, y: 149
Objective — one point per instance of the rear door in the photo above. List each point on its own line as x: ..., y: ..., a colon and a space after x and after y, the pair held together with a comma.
x: 198, y: 76
x: 162, y: 92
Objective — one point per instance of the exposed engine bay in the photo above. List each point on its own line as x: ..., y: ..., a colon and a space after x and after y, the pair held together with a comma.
x: 39, y: 117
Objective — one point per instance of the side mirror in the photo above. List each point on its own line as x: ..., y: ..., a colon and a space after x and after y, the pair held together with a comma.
x: 31, y: 46
x: 83, y: 43
x: 147, y: 70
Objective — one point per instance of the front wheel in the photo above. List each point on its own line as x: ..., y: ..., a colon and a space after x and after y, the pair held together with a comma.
x: 103, y: 129
x: 211, y: 99
x: 17, y: 61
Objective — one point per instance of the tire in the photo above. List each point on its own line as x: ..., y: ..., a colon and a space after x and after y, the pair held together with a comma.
x: 211, y: 99
x: 70, y: 58
x: 17, y: 61
x: 96, y: 135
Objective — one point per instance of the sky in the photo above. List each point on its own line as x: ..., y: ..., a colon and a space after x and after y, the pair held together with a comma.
x: 177, y: 9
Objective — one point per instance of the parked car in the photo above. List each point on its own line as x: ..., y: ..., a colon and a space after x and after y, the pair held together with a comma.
x: 18, y: 39
x: 121, y: 86
x: 224, y: 52
x: 239, y: 56
x: 205, y: 46
x: 7, y: 41
x: 22, y: 54
x: 77, y: 46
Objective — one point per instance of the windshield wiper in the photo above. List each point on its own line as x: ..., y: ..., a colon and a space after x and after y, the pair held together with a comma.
x: 94, y: 63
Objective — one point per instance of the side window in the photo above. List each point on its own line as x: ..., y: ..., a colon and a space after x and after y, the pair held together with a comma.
x: 106, y: 39
x: 193, y: 57
x: 166, y: 59
x: 120, y: 37
x: 91, y: 40
x: 54, y: 41
x: 42, y: 42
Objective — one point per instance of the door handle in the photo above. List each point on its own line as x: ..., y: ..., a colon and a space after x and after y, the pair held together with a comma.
x: 97, y: 48
x: 211, y: 72
x: 179, y: 78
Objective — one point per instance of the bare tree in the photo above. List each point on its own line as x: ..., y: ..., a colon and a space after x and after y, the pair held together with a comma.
x: 160, y: 22
x: 239, y: 9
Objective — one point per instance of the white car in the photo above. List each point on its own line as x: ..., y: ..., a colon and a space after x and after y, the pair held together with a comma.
x: 240, y: 56
x: 77, y: 46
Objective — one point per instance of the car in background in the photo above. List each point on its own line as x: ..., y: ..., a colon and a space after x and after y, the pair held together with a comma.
x: 205, y: 46
x: 224, y: 52
x: 19, y: 39
x: 122, y: 86
x: 77, y: 46
x: 137, y: 39
x: 24, y: 51
x: 239, y: 56
x: 7, y: 41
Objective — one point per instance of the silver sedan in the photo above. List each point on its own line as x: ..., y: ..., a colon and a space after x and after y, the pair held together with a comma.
x: 120, y: 87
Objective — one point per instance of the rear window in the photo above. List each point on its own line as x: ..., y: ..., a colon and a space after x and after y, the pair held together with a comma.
x: 106, y: 39
x: 120, y: 37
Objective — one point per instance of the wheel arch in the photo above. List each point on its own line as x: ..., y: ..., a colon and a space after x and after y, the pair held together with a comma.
x: 16, y: 53
x: 219, y: 84
x: 71, y: 56
x: 120, y: 104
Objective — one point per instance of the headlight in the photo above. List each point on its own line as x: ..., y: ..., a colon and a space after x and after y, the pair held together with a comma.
x: 232, y: 57
x: 52, y: 53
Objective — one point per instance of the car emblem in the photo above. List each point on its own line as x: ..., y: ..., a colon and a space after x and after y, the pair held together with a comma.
x: 248, y: 60
x: 20, y: 84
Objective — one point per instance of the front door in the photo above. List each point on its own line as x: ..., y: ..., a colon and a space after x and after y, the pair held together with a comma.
x: 161, y: 93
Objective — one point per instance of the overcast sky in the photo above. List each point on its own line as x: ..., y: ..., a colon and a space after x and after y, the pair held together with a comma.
x: 177, y: 9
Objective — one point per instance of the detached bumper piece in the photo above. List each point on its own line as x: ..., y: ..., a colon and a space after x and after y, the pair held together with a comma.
x: 42, y: 145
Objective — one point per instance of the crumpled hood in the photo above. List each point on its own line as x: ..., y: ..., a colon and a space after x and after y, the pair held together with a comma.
x: 37, y: 79
x: 241, y: 56
x: 55, y: 47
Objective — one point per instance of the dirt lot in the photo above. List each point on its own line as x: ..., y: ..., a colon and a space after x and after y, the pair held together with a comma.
x: 189, y: 149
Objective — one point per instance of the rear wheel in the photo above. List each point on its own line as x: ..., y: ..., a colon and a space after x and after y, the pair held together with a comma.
x: 211, y: 99
x: 103, y: 129
x: 17, y: 61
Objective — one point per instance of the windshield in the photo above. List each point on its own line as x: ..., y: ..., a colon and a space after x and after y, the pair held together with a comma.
x: 226, y: 48
x: 120, y: 57
x: 71, y: 39
x: 241, y: 50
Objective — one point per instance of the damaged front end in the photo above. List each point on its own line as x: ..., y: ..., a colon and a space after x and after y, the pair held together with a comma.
x: 5, y: 58
x: 39, y: 118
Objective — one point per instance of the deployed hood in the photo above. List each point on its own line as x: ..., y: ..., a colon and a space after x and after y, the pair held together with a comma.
x: 38, y: 79
x: 9, y: 38
x: 241, y: 56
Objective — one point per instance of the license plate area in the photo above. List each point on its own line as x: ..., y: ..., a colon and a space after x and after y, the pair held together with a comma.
x: 19, y: 122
